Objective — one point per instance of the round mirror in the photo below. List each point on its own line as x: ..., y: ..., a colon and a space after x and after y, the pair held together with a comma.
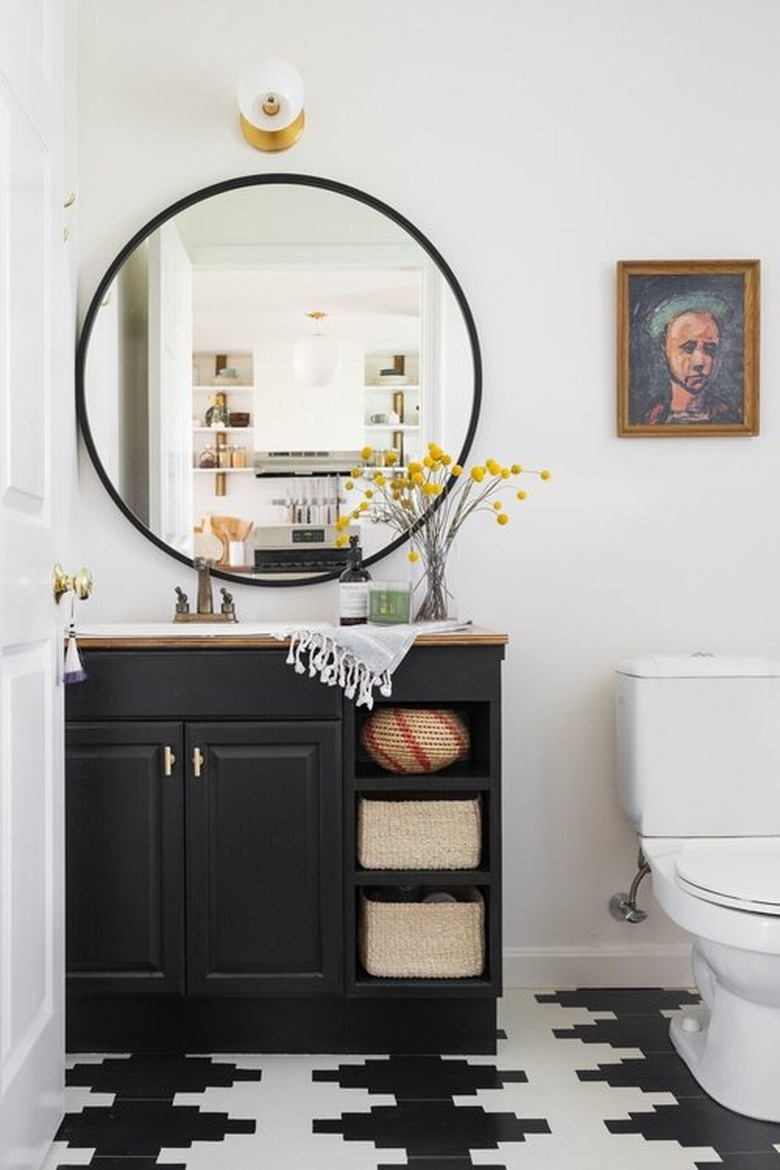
x: 246, y: 346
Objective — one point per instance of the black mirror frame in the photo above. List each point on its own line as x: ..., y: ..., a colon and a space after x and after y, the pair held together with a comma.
x: 197, y: 197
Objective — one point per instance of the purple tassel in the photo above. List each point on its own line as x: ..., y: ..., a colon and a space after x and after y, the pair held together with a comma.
x: 74, y: 671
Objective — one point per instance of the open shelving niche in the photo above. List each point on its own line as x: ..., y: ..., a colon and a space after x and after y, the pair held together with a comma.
x: 479, y: 776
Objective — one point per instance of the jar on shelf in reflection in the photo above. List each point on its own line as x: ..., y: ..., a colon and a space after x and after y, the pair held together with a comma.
x: 217, y: 414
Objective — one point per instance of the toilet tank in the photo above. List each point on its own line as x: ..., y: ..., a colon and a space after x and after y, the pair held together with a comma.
x: 698, y: 744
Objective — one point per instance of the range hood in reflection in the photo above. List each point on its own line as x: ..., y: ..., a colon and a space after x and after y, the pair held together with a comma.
x: 268, y: 463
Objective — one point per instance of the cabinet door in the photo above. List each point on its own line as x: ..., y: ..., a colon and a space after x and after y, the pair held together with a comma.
x: 124, y: 858
x: 264, y: 858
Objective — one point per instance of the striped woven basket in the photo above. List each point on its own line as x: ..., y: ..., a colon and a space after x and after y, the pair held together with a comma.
x: 415, y: 739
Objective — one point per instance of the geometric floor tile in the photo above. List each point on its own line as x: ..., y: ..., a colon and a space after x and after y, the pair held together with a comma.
x: 692, y: 1119
x: 583, y: 1080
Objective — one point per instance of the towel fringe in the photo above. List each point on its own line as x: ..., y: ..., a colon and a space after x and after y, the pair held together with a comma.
x: 318, y: 654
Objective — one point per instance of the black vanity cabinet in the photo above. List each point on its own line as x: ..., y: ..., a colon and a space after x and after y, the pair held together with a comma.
x: 203, y: 822
x: 212, y: 882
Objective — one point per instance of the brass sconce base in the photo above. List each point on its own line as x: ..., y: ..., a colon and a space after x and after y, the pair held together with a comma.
x: 280, y: 139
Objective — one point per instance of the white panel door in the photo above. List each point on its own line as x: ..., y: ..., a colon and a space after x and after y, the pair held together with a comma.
x: 36, y: 461
x: 170, y: 390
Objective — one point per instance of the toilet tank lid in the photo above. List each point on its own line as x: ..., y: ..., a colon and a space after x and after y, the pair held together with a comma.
x: 699, y: 665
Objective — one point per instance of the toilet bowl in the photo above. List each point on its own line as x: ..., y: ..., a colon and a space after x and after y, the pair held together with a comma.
x: 698, y: 761
x: 726, y: 893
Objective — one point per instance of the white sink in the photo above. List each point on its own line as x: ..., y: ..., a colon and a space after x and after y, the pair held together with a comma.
x: 196, y: 629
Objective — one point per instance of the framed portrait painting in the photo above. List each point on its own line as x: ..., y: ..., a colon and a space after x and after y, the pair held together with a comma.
x: 688, y: 347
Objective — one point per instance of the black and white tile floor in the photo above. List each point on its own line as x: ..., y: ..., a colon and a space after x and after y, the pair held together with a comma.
x: 583, y: 1080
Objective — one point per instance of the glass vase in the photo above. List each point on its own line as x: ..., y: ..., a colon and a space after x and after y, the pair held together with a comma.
x: 437, y: 602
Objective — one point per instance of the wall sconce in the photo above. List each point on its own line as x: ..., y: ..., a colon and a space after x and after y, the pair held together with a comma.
x: 316, y: 359
x: 270, y: 99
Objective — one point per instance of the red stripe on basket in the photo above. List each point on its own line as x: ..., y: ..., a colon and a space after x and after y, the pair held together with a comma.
x: 456, y: 729
x: 414, y: 747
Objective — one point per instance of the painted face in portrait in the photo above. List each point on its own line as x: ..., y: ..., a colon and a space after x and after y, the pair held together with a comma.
x: 691, y: 348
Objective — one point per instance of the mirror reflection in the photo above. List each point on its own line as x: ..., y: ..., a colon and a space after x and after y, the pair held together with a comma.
x: 240, y: 354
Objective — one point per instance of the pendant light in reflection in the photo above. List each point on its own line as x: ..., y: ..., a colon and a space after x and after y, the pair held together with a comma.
x: 316, y: 358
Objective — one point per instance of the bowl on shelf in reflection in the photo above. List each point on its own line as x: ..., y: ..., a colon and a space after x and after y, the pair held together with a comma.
x: 239, y: 418
x: 392, y: 380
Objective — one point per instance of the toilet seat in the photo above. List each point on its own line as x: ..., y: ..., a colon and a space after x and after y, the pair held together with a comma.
x: 743, y: 873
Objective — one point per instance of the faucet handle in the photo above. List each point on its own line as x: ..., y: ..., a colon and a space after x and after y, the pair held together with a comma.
x: 228, y: 605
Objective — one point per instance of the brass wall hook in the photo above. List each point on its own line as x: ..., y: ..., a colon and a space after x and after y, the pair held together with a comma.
x: 80, y: 584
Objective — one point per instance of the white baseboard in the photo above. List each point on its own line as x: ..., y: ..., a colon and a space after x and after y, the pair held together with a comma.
x: 566, y: 967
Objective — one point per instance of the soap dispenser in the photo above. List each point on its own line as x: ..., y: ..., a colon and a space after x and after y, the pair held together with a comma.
x: 353, y: 587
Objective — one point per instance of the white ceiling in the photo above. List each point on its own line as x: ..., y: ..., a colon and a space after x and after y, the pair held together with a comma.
x: 371, y: 308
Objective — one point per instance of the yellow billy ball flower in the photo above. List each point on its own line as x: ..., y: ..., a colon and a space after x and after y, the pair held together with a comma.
x: 390, y: 457
x: 366, y: 452
x: 502, y: 518
x: 497, y: 505
x: 445, y: 459
x: 369, y: 494
x: 522, y: 494
x: 544, y: 474
x: 457, y: 470
x: 413, y: 556
x: 477, y: 474
x: 342, y: 522
x: 493, y: 467
x: 348, y: 486
x: 414, y: 467
x: 363, y: 506
x: 356, y: 472
x: 435, y: 450
x: 418, y: 478
x: 516, y: 469
x: 505, y: 473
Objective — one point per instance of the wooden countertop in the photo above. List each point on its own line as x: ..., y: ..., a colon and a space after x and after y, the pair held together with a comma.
x: 205, y: 637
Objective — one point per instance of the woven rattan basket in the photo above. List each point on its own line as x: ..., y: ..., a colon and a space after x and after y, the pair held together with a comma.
x: 423, y: 940
x: 419, y: 834
x: 415, y: 739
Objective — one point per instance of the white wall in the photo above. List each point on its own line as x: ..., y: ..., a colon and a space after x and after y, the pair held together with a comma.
x: 535, y: 142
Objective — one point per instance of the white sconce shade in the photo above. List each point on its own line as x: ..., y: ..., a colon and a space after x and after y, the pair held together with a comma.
x: 270, y: 100
x: 316, y: 359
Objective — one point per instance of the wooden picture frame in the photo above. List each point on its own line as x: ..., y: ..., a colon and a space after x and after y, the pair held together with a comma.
x: 688, y: 335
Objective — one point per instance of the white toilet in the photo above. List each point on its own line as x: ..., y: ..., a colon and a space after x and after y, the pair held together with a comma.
x: 698, y: 764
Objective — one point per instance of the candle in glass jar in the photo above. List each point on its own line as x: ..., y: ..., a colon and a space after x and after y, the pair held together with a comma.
x: 389, y: 602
